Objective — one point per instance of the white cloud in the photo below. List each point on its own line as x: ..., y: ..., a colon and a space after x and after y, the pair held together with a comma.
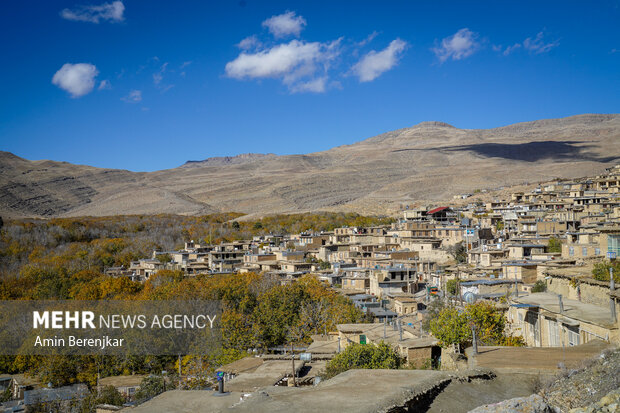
x: 107, y: 11
x: 538, y: 45
x: 296, y: 63
x: 511, y: 49
x: 183, y: 66
x: 318, y: 85
x: 460, y: 45
x: 374, y: 63
x: 77, y: 79
x: 159, y: 75
x: 104, y: 85
x: 285, y: 24
x: 249, y: 42
x: 134, y: 96
x: 368, y: 39
x: 534, y: 45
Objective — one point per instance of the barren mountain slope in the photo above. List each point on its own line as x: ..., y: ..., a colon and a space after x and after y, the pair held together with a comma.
x: 429, y: 161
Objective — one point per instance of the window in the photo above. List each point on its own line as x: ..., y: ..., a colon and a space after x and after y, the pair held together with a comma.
x: 571, y: 251
x: 573, y: 336
x: 554, y: 334
x: 613, y: 243
x: 584, y: 251
x: 532, y: 320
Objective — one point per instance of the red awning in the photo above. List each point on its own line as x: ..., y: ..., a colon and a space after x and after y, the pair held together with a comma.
x: 434, y: 211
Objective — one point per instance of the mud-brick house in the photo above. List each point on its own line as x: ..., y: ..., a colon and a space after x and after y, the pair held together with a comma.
x: 549, y: 320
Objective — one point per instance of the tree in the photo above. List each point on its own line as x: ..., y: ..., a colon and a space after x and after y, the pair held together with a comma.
x: 164, y: 258
x: 458, y: 252
x: 452, y: 286
x: 601, y: 270
x: 152, y: 386
x: 364, y: 356
x: 109, y: 395
x: 432, y: 311
x: 488, y: 321
x: 554, y: 245
x: 235, y: 225
x: 451, y: 327
x: 454, y: 327
x: 6, y: 395
x: 539, y: 287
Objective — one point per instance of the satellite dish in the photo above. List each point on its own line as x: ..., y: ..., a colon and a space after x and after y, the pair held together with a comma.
x: 469, y: 297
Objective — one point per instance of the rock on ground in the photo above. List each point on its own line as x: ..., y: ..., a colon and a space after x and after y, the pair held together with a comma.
x: 531, y: 404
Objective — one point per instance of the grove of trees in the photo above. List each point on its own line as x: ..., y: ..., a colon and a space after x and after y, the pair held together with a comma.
x: 66, y: 258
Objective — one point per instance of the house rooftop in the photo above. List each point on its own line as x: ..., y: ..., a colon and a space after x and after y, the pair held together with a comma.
x: 573, y: 309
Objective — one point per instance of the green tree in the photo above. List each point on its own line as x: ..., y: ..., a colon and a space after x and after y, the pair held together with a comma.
x: 452, y: 286
x: 235, y: 225
x: 109, y: 395
x: 454, y: 327
x: 364, y: 356
x: 554, y: 245
x: 152, y: 386
x: 601, y: 270
x: 488, y: 321
x: 164, y: 258
x: 539, y: 287
x: 5, y: 396
x: 451, y: 327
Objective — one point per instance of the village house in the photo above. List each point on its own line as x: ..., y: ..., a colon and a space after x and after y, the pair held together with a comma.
x: 550, y: 320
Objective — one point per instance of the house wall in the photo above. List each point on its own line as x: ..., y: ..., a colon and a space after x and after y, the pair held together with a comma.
x: 552, y: 332
x: 419, y: 357
x: 592, y: 293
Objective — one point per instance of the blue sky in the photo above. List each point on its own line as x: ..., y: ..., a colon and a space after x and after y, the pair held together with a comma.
x: 147, y: 85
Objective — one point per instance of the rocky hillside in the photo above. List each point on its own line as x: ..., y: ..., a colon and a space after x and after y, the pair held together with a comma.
x: 428, y: 162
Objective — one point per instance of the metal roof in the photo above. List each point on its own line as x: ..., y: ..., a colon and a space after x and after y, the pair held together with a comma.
x: 432, y: 211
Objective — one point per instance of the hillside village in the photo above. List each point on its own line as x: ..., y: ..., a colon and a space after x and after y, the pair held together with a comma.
x: 497, y: 251
x: 535, y: 255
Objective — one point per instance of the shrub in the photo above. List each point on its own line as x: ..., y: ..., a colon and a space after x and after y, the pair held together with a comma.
x: 364, y: 356
x: 539, y: 287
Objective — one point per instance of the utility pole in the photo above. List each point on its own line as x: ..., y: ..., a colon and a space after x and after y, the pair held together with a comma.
x: 385, y: 326
x: 474, y: 339
x: 293, y: 359
x: 612, y: 287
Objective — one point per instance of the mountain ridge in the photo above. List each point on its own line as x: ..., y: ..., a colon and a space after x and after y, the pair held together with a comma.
x: 430, y: 161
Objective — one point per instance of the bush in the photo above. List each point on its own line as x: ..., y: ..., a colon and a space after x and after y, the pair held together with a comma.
x: 152, y: 386
x: 554, y: 245
x: 364, y: 356
x: 109, y: 395
x: 539, y: 287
